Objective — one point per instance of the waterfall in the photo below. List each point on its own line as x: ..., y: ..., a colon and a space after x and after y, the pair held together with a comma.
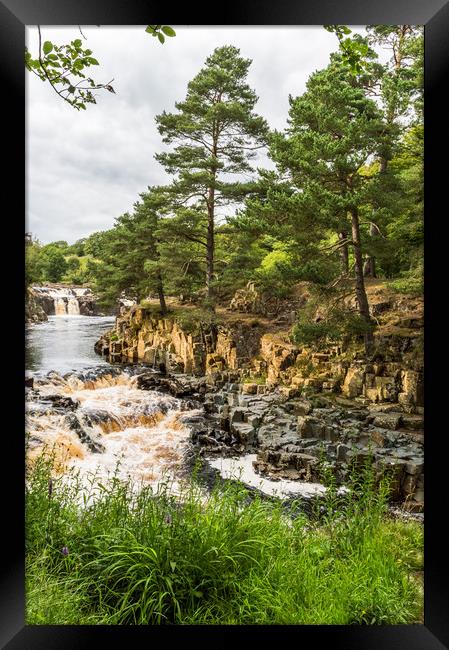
x: 60, y: 307
x: 73, y: 307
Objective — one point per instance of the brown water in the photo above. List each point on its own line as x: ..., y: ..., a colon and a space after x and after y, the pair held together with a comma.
x: 112, y: 426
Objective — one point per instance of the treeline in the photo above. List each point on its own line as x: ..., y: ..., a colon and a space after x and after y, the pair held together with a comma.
x: 344, y: 202
x: 59, y: 262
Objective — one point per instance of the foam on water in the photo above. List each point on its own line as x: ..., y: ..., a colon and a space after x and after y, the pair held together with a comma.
x: 241, y: 469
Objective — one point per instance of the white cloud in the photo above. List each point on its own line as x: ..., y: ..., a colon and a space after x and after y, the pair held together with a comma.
x: 85, y: 168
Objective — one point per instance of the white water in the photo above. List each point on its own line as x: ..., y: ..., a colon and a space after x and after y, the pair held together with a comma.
x: 73, y: 307
x: 241, y: 469
x: 65, y: 298
x: 140, y: 431
x: 60, y: 307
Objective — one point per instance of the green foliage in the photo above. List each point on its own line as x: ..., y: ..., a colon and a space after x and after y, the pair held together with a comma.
x: 33, y: 262
x: 191, y: 320
x: 160, y: 31
x: 53, y: 263
x: 325, y: 319
x: 65, y: 67
x: 411, y: 282
x: 147, y: 558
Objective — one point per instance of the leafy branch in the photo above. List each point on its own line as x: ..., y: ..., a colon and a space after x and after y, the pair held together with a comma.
x: 64, y: 67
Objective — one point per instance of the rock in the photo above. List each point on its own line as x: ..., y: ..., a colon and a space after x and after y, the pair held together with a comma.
x: 249, y: 389
x: 310, y: 427
x: 414, y: 422
x: 244, y: 433
x: 353, y: 383
x: 388, y: 420
x: 302, y: 407
x: 73, y: 423
x: 415, y: 466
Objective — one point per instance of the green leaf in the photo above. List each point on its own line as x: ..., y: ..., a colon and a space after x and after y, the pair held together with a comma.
x: 48, y: 46
x: 173, y: 565
x: 77, y: 43
x: 93, y: 61
x: 83, y: 106
x: 161, y: 38
x: 150, y: 29
x: 168, y: 31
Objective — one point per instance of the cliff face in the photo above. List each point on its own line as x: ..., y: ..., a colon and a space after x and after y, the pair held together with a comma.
x: 394, y: 375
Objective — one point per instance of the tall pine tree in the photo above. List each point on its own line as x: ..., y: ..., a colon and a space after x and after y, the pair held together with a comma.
x: 216, y: 133
x: 334, y: 132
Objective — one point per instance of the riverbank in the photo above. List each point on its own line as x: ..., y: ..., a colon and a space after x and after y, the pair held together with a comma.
x: 228, y: 559
x: 289, y: 404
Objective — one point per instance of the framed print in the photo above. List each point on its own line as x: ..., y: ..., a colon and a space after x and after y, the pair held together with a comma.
x: 248, y: 298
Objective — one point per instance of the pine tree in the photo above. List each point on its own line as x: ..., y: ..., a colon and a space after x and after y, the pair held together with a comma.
x: 129, y: 252
x: 334, y: 132
x: 216, y: 133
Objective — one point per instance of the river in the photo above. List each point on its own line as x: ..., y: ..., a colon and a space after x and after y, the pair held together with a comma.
x: 96, y: 422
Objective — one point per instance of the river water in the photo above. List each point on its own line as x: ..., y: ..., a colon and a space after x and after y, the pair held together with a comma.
x: 92, y: 417
x: 65, y: 343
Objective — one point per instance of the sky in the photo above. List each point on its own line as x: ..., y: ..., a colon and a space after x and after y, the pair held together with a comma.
x: 86, y: 168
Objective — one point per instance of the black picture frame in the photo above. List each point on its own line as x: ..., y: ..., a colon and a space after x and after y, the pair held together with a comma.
x: 434, y: 14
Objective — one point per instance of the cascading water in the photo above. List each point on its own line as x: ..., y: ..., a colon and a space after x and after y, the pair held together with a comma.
x: 73, y: 307
x: 66, y: 300
x: 60, y: 307
x: 108, y: 426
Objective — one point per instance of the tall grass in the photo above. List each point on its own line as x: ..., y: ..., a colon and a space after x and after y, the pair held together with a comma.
x: 131, y: 557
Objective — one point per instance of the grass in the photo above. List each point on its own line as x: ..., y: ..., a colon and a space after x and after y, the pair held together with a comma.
x: 148, y: 558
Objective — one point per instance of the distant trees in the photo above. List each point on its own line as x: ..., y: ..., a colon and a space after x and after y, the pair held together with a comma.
x: 129, y: 255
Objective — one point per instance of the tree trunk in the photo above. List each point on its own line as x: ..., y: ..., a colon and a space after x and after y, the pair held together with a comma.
x: 160, y: 293
x: 362, y: 299
x: 210, y: 246
x: 369, y: 268
x: 344, y: 253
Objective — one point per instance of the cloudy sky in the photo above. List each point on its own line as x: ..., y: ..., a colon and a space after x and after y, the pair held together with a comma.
x: 85, y: 168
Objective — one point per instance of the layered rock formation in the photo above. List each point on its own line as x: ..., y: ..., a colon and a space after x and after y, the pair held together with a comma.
x: 34, y: 311
x: 293, y: 404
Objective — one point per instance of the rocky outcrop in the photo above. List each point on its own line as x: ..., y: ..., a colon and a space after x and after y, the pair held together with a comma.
x: 293, y: 435
x: 291, y: 405
x: 200, y: 349
x: 393, y: 377
x: 34, y: 311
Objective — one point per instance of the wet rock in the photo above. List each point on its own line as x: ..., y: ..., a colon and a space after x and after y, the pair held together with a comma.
x: 72, y: 422
x: 59, y: 401
x: 310, y: 427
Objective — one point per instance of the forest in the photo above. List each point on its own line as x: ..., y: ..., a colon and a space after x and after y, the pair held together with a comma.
x: 341, y: 201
